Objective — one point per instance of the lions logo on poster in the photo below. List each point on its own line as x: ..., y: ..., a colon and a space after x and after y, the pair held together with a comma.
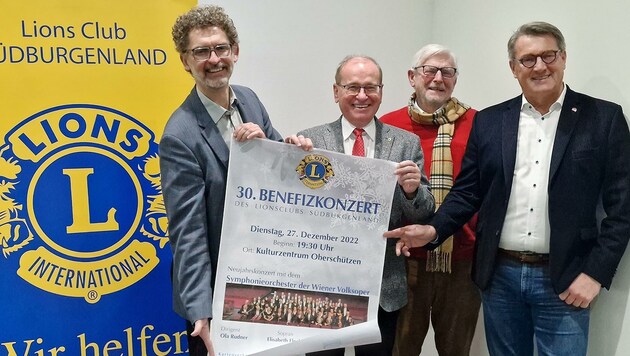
x: 315, y: 170
x: 80, y: 201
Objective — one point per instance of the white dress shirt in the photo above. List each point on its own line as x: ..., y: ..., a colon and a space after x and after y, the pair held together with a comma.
x: 526, y: 225
x: 349, y: 138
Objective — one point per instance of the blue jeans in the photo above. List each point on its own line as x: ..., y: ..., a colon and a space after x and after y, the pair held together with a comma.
x: 520, y: 306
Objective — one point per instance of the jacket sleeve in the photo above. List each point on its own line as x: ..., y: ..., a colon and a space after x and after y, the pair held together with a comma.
x: 421, y: 207
x: 614, y: 233
x: 183, y: 190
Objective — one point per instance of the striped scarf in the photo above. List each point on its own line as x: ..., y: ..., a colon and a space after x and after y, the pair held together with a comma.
x: 439, y: 260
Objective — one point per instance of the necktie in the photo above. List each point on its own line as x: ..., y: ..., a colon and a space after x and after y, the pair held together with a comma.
x: 359, y: 148
x: 225, y: 127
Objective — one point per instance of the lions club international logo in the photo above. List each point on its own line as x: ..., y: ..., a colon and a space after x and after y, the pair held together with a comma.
x: 315, y: 170
x: 80, y: 201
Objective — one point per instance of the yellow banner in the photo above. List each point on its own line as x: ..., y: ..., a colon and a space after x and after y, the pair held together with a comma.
x: 88, y: 280
x: 112, y: 53
x: 86, y: 88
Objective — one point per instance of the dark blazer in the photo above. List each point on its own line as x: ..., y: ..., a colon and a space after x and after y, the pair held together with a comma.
x: 392, y: 144
x: 590, y: 166
x: 193, y: 164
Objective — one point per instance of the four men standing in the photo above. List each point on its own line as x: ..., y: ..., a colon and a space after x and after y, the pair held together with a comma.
x: 535, y: 169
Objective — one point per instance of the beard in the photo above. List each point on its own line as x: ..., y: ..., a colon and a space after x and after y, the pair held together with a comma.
x: 207, y: 80
x: 216, y: 83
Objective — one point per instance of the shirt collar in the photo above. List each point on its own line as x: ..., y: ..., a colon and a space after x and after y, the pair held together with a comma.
x: 347, y: 129
x: 415, y: 105
x: 526, y: 106
x: 216, y: 111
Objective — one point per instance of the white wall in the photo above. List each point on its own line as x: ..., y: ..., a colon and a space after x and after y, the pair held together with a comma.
x: 290, y: 50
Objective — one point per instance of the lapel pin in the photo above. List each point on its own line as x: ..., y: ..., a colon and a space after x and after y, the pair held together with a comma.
x: 574, y: 109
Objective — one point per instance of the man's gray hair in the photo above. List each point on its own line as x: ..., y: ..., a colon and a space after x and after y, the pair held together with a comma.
x: 429, y: 51
x: 537, y: 28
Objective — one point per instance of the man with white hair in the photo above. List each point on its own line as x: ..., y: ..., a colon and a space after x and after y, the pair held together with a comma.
x: 440, y: 290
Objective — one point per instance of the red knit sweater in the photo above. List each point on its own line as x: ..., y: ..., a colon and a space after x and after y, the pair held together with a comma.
x: 465, y: 237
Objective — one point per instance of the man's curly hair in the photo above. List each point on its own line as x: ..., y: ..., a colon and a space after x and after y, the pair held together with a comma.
x: 202, y: 17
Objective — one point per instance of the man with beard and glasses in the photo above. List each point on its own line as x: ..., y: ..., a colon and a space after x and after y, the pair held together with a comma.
x: 194, y: 152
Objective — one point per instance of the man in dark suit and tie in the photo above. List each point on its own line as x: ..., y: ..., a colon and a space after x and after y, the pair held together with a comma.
x: 537, y: 169
x: 194, y: 152
x: 358, y: 91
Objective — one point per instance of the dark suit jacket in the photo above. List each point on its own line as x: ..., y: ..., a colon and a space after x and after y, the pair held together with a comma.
x: 590, y: 165
x: 392, y: 144
x: 193, y: 164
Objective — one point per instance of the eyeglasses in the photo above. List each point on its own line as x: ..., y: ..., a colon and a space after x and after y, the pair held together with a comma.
x: 204, y: 53
x: 355, y: 89
x: 548, y: 57
x: 431, y: 71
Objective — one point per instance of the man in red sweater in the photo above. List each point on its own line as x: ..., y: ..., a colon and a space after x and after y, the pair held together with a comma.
x: 440, y: 288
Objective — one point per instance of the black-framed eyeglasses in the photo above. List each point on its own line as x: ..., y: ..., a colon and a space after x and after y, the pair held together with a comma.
x: 203, y: 53
x: 355, y: 89
x: 548, y: 57
x: 431, y: 71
